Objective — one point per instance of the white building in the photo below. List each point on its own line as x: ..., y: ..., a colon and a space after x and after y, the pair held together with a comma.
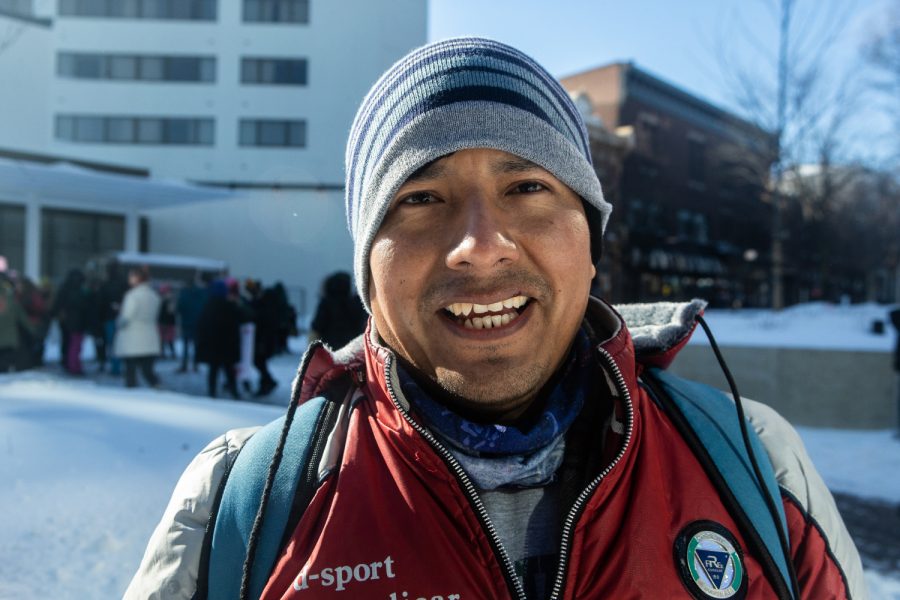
x: 255, y: 96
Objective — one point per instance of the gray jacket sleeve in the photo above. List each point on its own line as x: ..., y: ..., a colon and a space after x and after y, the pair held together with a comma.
x: 172, y: 558
x: 796, y: 475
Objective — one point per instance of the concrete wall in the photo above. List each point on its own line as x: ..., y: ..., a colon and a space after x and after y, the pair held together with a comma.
x: 25, y: 59
x: 819, y: 388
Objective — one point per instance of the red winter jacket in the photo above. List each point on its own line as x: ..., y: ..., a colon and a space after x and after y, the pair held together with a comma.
x: 397, y: 518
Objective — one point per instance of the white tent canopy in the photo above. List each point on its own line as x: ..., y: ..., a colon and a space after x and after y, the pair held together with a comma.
x: 43, y: 184
x: 74, y: 185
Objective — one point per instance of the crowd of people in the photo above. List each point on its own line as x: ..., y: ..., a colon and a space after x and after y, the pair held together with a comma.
x: 232, y: 327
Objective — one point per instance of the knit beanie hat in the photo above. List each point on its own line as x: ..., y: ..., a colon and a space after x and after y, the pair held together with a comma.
x: 452, y: 95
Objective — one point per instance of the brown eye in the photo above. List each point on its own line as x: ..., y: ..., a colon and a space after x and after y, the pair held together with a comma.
x: 418, y: 198
x: 528, y: 187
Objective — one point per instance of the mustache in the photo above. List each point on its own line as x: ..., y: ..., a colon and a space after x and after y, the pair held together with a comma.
x: 468, y: 285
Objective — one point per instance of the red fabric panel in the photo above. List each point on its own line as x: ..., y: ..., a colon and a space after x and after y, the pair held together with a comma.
x: 817, y: 573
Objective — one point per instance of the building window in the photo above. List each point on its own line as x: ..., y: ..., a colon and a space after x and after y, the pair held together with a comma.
x: 132, y: 67
x: 273, y: 133
x: 176, y: 10
x: 180, y: 131
x: 276, y: 11
x: 12, y: 235
x: 279, y: 71
x: 70, y: 238
x: 17, y: 7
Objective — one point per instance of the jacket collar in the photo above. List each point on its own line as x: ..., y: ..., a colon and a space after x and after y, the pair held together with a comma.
x: 636, y: 336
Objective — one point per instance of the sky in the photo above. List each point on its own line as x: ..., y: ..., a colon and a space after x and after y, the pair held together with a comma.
x: 676, y: 41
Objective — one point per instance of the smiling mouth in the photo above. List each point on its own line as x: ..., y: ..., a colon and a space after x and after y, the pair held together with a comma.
x: 487, y: 316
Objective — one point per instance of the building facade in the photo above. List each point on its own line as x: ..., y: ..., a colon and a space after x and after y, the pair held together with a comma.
x: 252, y: 96
x: 690, y: 218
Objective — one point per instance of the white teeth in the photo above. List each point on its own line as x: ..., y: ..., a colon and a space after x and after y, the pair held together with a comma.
x: 497, y: 320
x: 468, y: 324
x: 478, y: 323
x: 464, y: 309
x: 505, y: 319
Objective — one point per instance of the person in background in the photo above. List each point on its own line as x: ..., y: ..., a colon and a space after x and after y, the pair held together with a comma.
x: 35, y: 306
x: 94, y: 321
x: 340, y: 316
x: 64, y: 311
x: 13, y: 322
x: 166, y: 320
x: 243, y: 368
x: 895, y: 321
x: 78, y: 320
x: 219, y: 338
x: 286, y: 317
x: 112, y: 290
x: 189, y: 306
x: 265, y: 309
x: 137, y: 335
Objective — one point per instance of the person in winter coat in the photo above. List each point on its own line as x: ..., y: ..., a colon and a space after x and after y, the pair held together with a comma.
x: 137, y: 335
x: 69, y: 310
x: 502, y: 434
x: 167, y: 320
x: 112, y: 291
x: 190, y: 303
x: 266, y: 341
x: 35, y: 306
x: 219, y: 338
x: 13, y: 323
x: 340, y: 316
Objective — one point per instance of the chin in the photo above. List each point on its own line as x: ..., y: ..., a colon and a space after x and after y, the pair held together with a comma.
x: 496, y: 391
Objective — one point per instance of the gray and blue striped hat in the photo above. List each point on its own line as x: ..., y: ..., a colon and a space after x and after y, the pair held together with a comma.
x: 456, y: 94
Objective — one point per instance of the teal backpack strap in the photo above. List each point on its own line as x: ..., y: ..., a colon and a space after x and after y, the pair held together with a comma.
x: 708, y: 421
x: 243, y: 495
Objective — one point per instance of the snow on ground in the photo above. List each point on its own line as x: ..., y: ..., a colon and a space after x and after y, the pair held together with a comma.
x: 861, y: 463
x: 816, y: 325
x: 87, y: 467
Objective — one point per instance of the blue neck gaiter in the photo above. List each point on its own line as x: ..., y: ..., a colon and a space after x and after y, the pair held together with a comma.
x: 527, y: 456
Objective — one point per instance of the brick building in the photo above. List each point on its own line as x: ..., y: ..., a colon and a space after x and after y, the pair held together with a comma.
x: 689, y: 217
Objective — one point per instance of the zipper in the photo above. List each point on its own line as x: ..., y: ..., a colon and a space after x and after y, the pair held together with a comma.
x: 500, y: 552
x: 578, y: 507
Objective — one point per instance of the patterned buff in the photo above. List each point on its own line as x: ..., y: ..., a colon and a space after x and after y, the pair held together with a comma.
x: 497, y: 455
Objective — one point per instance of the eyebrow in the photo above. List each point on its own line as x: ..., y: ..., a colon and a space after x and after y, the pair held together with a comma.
x: 431, y: 170
x: 513, y: 165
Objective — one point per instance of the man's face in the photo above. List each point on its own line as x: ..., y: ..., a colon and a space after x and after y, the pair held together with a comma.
x: 482, y: 230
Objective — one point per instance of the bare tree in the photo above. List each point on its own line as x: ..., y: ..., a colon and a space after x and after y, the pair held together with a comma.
x: 788, y: 88
x: 882, y: 53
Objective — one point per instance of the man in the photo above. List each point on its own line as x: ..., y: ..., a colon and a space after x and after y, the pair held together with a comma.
x: 137, y: 335
x: 497, y: 442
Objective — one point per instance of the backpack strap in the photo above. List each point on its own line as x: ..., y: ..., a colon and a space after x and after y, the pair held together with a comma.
x: 294, y: 484
x: 707, y: 420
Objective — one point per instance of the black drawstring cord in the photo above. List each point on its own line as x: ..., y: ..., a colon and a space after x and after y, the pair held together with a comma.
x: 253, y: 542
x: 770, y: 503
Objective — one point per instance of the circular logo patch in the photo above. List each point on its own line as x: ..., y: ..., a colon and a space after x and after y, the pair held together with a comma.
x: 710, y: 561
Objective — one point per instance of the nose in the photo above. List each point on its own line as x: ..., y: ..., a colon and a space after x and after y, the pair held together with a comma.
x: 484, y: 239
